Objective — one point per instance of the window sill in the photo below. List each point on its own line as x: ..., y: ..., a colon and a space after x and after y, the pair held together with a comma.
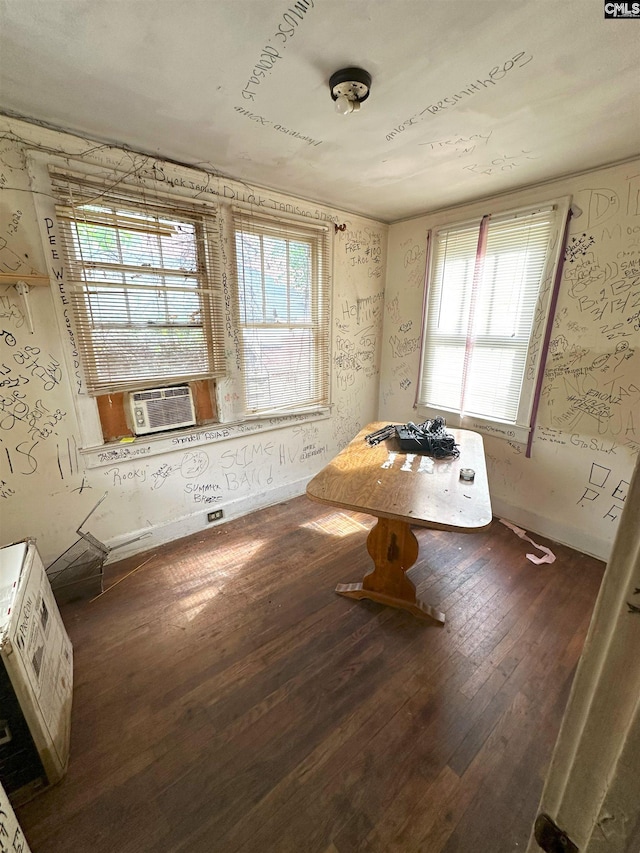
x: 509, y: 432
x: 146, y: 446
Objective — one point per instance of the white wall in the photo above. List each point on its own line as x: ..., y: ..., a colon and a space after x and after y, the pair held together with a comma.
x: 49, y: 481
x: 573, y: 487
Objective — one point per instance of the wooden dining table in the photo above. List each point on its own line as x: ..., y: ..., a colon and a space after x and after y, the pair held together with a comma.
x: 402, y: 490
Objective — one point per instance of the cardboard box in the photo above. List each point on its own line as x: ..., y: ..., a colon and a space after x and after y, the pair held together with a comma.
x: 36, y: 676
x: 11, y: 836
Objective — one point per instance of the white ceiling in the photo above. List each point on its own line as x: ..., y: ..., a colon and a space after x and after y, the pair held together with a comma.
x: 170, y: 77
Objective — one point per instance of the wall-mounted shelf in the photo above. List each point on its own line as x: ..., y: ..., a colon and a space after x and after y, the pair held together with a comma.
x: 31, y: 280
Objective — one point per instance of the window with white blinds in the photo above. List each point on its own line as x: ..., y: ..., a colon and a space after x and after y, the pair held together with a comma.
x: 489, y: 285
x: 144, y: 284
x: 283, y: 306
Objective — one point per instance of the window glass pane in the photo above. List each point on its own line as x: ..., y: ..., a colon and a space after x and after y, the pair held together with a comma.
x: 454, y: 295
x: 179, y: 248
x: 139, y: 249
x: 105, y: 304
x: 103, y: 275
x: 96, y: 243
x: 300, y: 278
x: 279, y: 366
x: 116, y: 349
x: 138, y: 278
x: 445, y: 366
x: 249, y: 268
x: 495, y: 399
x: 111, y: 306
x: 276, y: 280
x: 499, y: 308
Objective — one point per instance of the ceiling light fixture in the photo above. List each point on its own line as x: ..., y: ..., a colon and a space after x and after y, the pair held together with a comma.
x: 349, y: 87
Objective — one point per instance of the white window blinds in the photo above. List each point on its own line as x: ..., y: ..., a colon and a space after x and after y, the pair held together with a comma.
x: 144, y: 279
x: 283, y: 305
x: 484, y: 291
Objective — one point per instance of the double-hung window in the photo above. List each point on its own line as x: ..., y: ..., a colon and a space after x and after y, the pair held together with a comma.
x: 283, y: 305
x: 144, y: 285
x: 489, y: 288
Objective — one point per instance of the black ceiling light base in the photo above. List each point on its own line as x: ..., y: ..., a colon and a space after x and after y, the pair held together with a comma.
x: 350, y: 86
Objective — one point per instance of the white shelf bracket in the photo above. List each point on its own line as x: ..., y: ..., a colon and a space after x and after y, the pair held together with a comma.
x: 23, y: 290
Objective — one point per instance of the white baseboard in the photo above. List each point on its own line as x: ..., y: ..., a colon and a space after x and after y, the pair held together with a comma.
x: 578, y: 539
x: 123, y: 546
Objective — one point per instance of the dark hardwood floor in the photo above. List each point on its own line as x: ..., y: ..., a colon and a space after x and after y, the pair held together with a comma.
x: 227, y: 700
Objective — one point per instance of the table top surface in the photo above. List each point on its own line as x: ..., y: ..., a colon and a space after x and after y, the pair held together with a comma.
x: 389, y: 483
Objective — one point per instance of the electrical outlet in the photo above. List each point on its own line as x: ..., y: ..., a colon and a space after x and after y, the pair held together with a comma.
x: 216, y: 515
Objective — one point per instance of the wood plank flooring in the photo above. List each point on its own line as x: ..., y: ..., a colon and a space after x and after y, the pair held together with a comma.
x: 228, y: 701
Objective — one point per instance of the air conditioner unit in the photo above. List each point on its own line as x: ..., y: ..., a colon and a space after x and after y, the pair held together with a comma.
x: 160, y: 409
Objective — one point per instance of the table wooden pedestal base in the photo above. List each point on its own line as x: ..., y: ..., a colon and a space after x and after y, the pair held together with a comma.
x: 393, y: 548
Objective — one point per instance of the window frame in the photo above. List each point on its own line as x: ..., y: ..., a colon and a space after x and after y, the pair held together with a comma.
x: 100, y: 286
x: 519, y: 429
x: 249, y: 222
